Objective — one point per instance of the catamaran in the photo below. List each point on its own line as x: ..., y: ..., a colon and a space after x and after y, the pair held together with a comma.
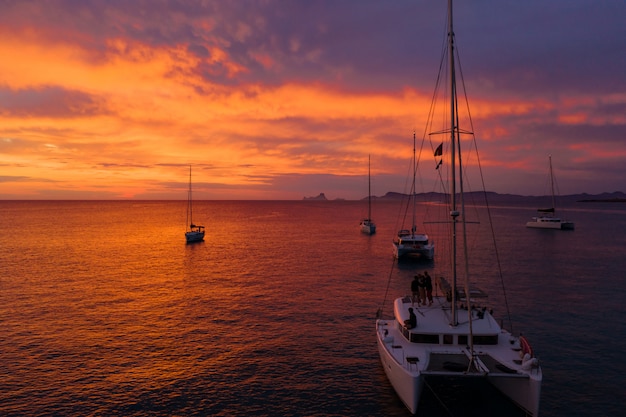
x: 456, y: 338
x: 546, y: 218
x: 410, y: 242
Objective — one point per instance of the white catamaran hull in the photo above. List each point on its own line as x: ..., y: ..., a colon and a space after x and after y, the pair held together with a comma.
x: 404, y: 250
x: 523, y: 391
x: 408, y: 385
x: 550, y: 223
x: 435, y: 349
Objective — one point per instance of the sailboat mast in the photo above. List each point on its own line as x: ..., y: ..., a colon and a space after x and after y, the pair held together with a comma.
x: 453, y: 129
x: 455, y: 155
x: 189, y: 206
x: 369, y: 188
x: 414, y: 226
x: 552, y: 182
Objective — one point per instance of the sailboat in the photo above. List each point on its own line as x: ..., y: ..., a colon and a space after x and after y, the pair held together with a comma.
x: 455, y: 338
x: 367, y: 225
x: 195, y: 233
x: 409, y: 242
x: 546, y: 217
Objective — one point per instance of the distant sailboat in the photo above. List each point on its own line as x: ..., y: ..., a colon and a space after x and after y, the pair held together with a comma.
x: 546, y: 218
x: 195, y: 233
x: 367, y: 225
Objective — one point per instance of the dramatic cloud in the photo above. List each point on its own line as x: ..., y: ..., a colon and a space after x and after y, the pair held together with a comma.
x: 282, y: 99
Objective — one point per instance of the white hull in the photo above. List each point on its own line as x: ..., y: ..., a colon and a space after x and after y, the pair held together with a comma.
x: 550, y: 223
x: 402, y: 250
x: 434, y: 348
x: 408, y: 385
x: 368, y: 227
x: 524, y: 392
x: 194, y: 236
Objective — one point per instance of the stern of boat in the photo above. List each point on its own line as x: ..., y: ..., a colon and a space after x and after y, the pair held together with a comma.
x: 524, y: 390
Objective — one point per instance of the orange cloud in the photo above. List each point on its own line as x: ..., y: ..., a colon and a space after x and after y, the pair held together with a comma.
x: 152, y: 112
x: 134, y: 113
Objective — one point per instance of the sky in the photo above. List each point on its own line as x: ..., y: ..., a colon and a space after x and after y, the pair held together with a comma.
x: 282, y: 99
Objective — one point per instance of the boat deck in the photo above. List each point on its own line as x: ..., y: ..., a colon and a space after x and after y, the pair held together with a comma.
x: 435, y: 347
x: 432, y: 319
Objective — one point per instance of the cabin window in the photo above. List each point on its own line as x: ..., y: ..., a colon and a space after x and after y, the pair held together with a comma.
x: 424, y: 338
x: 486, y: 340
x: 448, y: 339
x: 463, y: 339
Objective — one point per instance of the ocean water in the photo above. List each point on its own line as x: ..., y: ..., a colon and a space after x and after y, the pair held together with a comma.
x: 104, y: 310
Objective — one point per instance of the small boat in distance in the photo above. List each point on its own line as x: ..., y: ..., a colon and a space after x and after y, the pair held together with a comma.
x: 451, y: 338
x: 367, y: 225
x: 546, y: 217
x: 409, y: 242
x: 195, y: 233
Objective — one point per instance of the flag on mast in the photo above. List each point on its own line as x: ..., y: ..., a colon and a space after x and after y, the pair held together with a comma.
x: 439, y: 152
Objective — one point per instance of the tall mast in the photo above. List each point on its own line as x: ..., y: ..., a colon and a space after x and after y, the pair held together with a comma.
x: 414, y: 226
x: 552, y: 183
x: 189, y: 206
x: 455, y: 155
x: 454, y: 213
x: 369, y: 188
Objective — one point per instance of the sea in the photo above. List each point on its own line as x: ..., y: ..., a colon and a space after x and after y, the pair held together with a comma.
x: 106, y: 311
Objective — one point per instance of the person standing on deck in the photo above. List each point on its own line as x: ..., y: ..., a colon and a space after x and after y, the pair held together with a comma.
x: 422, y: 289
x: 428, y: 284
x: 415, y: 288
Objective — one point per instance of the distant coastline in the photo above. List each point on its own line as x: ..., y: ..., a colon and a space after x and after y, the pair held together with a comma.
x: 607, y: 200
x: 614, y: 197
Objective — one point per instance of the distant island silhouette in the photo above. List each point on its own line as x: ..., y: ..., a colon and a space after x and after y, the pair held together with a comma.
x: 320, y: 197
x: 615, y: 197
x: 493, y: 197
x: 604, y: 200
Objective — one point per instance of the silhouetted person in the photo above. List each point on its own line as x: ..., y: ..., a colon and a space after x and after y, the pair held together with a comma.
x: 428, y: 284
x: 411, y: 323
x: 415, y: 288
x: 422, y: 289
